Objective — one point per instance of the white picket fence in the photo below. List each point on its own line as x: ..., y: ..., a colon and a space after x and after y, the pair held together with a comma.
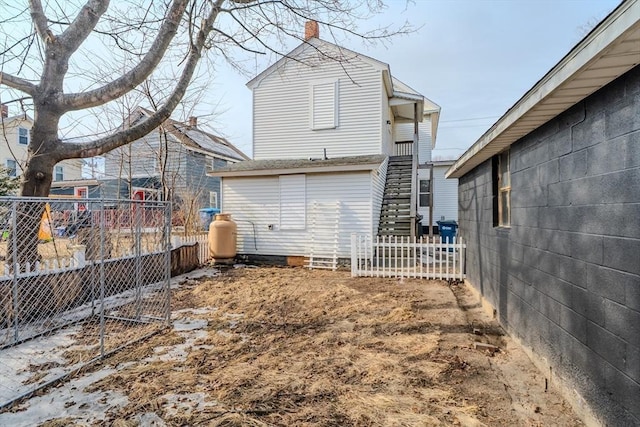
x: 403, y: 256
x: 201, y: 239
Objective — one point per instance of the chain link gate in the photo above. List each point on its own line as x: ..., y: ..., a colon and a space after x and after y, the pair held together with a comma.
x: 79, y: 280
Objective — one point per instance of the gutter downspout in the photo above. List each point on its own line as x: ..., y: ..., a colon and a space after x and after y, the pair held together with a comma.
x: 414, y: 173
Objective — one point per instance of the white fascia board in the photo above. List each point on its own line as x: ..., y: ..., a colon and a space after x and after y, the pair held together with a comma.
x: 588, y: 51
x: 293, y: 171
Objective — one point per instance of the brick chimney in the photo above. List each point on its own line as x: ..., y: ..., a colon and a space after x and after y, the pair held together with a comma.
x: 193, y: 121
x: 311, y: 29
x: 4, y: 111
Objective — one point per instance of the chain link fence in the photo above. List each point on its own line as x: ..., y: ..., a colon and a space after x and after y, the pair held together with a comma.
x: 79, y: 279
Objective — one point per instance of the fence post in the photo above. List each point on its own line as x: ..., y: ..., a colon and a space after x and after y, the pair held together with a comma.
x: 167, y: 255
x: 79, y: 252
x: 353, y: 254
x: 14, y: 242
x: 102, y: 277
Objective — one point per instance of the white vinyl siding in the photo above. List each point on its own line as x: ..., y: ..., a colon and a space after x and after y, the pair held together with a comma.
x: 404, y: 132
x: 445, y: 195
x: 71, y: 169
x: 324, y: 105
x: 254, y: 203
x: 292, y: 202
x: 282, y: 127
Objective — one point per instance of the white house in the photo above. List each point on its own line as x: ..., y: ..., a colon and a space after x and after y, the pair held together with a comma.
x: 15, y: 134
x: 445, y: 194
x: 335, y: 151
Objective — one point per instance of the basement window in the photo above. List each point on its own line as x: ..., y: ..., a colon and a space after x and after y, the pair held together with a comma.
x: 501, y: 190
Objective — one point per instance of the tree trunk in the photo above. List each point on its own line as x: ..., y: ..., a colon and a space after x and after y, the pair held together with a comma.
x: 36, y: 182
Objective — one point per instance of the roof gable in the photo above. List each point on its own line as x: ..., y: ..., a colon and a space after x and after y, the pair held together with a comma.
x: 320, y: 49
x: 193, y: 138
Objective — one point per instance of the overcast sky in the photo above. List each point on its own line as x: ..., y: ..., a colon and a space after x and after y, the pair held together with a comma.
x: 473, y: 58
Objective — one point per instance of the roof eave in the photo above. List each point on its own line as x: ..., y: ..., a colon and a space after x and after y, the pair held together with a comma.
x: 603, y: 45
x: 297, y: 170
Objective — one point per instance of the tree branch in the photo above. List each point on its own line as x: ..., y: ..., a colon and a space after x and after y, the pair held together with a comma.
x: 39, y: 19
x: 139, y: 73
x: 17, y: 83
x: 100, y: 146
x: 82, y: 26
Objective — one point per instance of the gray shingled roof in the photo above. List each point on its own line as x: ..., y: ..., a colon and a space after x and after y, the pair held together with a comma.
x: 280, y: 164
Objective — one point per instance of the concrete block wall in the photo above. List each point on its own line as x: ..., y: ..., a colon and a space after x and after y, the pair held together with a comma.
x: 565, y: 277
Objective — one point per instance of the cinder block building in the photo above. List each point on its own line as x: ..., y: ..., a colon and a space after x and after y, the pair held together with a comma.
x: 549, y: 205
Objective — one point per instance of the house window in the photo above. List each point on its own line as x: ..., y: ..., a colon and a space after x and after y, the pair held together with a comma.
x: 213, y: 199
x: 501, y: 190
x: 59, y: 174
x: 23, y: 136
x: 293, y: 200
x: 425, y: 192
x: 324, y: 105
x: 12, y: 168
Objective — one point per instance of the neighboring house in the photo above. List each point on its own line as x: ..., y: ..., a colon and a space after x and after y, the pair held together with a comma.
x: 176, y: 156
x: 445, y: 194
x: 550, y: 213
x: 15, y: 134
x: 331, y: 129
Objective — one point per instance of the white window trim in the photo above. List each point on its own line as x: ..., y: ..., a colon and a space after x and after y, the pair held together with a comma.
x: 336, y: 98
x: 6, y: 165
x: 80, y: 206
x: 55, y: 173
x: 504, y: 189
x: 213, y: 194
x: 19, y: 128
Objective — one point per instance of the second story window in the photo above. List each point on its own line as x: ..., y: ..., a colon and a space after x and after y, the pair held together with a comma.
x: 23, y: 136
x: 324, y: 104
x: 58, y: 174
x: 12, y: 168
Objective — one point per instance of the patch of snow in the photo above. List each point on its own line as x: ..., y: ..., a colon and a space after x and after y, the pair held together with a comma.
x: 192, y: 402
x: 68, y: 401
x: 187, y: 324
x: 150, y: 419
x: 16, y: 361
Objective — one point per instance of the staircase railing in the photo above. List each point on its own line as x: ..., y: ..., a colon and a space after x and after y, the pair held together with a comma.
x: 413, y: 200
x: 403, y: 148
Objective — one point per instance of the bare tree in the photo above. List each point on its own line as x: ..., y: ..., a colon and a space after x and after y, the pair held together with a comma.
x: 44, y: 63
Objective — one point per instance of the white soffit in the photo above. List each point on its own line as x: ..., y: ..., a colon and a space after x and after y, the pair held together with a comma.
x: 609, y: 51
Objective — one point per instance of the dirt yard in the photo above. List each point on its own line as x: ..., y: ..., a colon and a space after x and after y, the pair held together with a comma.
x: 292, y: 347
